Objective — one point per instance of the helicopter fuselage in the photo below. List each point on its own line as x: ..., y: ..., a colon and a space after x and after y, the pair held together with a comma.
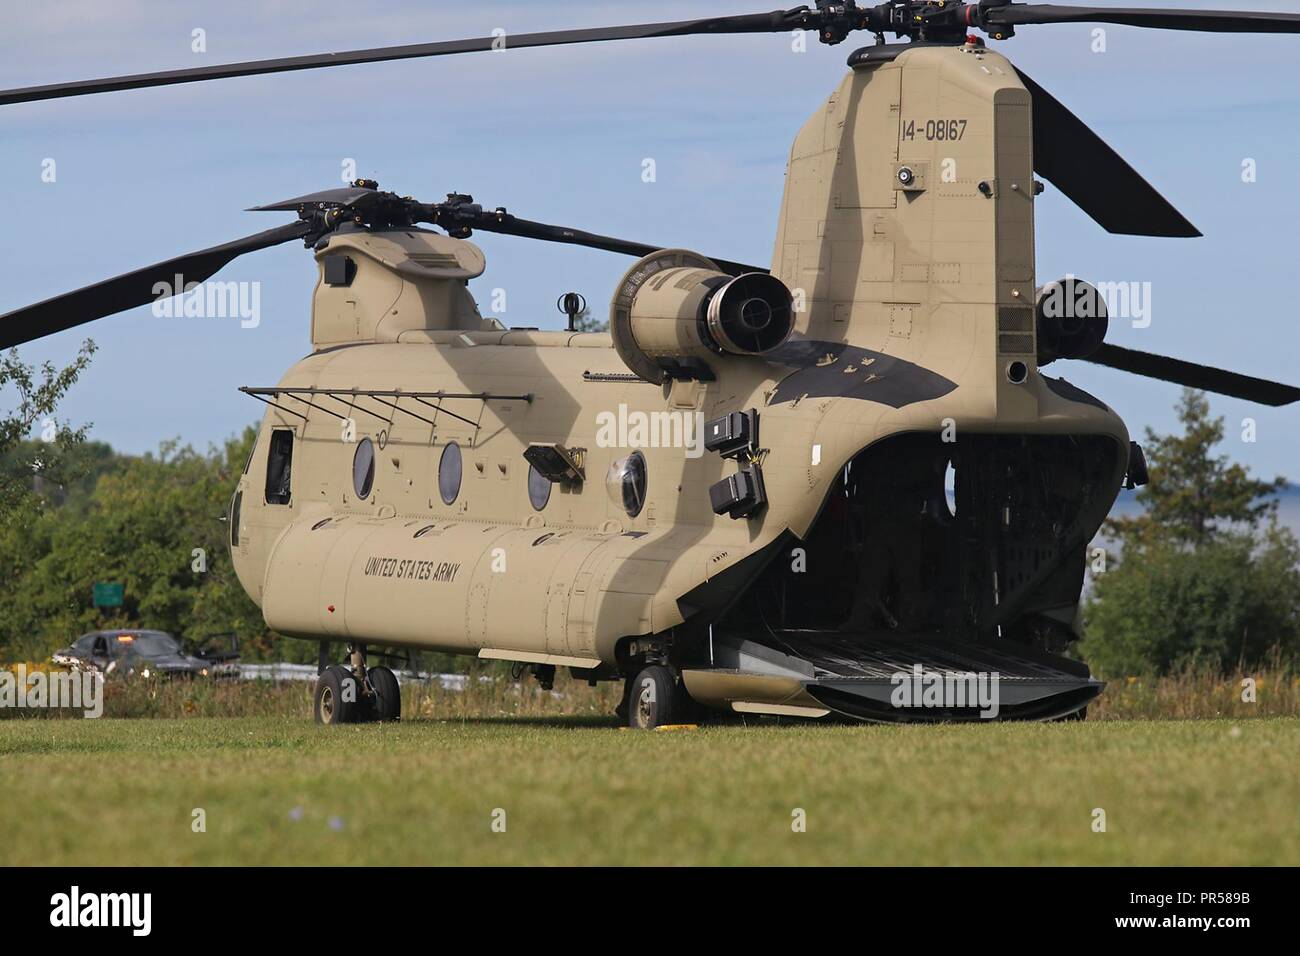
x: 921, y: 474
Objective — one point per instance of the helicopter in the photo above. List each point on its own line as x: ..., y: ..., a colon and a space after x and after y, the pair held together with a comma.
x: 737, y: 499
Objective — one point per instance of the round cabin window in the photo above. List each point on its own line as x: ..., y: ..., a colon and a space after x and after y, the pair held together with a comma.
x: 626, y: 483
x: 539, y: 488
x: 449, y: 473
x: 363, y: 468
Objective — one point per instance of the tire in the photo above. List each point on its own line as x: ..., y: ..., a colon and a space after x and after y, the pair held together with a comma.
x: 388, y: 695
x: 656, y: 699
x: 330, y: 704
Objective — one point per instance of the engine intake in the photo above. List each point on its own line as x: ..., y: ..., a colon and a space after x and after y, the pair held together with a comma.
x: 674, y: 310
x: 1072, y: 320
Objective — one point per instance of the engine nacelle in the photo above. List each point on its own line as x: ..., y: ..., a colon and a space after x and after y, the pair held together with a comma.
x: 674, y: 310
x: 1072, y: 320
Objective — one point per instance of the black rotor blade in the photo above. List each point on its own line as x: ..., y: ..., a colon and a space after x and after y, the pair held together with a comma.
x: 342, y: 196
x: 133, y: 288
x: 1195, y: 376
x: 774, y: 22
x: 509, y: 225
x: 1208, y: 21
x: 1078, y: 162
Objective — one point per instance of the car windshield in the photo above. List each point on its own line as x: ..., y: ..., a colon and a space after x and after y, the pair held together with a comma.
x: 144, y: 644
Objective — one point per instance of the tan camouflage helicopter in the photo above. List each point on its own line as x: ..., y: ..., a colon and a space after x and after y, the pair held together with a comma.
x: 427, y: 478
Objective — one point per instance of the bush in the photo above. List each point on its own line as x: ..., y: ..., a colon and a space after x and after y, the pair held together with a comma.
x: 1226, y: 604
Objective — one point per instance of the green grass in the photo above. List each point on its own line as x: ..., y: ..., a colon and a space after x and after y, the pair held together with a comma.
x: 579, y: 790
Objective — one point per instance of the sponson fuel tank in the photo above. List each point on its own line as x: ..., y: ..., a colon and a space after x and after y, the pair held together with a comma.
x: 462, y: 587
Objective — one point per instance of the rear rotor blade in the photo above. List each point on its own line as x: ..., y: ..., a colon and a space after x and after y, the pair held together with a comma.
x: 133, y: 288
x: 774, y: 22
x: 1195, y: 376
x: 1078, y: 162
x: 1207, y: 21
x: 506, y: 224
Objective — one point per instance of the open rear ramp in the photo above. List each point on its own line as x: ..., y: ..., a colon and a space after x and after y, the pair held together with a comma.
x: 889, y: 677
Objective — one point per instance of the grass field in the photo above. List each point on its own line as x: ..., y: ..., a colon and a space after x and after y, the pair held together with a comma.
x: 280, y: 790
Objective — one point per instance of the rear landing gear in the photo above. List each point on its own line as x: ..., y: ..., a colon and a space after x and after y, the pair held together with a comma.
x: 356, y: 694
x: 656, y: 698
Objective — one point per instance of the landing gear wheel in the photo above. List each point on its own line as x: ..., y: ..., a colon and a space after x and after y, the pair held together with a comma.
x: 337, y: 697
x: 656, y: 699
x: 388, y: 696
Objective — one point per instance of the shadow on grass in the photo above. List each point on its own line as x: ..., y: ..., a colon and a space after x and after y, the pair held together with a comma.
x: 561, y: 722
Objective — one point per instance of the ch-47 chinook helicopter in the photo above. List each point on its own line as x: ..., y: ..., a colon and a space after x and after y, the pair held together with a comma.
x: 427, y: 478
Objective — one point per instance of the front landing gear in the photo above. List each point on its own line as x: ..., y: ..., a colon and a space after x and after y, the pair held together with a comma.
x: 387, y: 695
x: 336, y: 698
x: 356, y: 694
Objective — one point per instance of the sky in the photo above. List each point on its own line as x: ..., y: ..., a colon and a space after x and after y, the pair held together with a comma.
x: 560, y: 135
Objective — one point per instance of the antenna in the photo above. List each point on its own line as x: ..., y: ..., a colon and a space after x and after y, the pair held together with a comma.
x: 571, y: 304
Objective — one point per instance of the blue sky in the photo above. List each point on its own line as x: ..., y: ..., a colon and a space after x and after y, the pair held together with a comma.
x: 559, y: 135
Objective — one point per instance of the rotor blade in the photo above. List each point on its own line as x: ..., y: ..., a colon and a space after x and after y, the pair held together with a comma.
x: 342, y: 196
x: 1078, y: 162
x: 775, y: 22
x: 1211, y: 21
x: 509, y: 225
x: 1195, y: 376
x: 133, y: 288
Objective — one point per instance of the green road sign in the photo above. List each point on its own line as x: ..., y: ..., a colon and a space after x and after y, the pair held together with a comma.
x: 108, y: 594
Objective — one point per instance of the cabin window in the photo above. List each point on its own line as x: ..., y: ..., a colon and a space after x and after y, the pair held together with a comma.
x: 539, y: 488
x: 279, y: 467
x: 449, y: 473
x: 363, y: 468
x: 626, y: 483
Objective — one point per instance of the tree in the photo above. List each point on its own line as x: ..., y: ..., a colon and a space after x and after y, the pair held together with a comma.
x: 1194, y: 496
x: 1206, y: 577
x: 154, y: 524
x: 26, y: 465
x: 584, y: 321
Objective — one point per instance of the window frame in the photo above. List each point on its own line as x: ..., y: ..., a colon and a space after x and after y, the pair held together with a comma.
x: 637, y: 455
x: 370, y: 471
x: 460, y: 473
x: 541, y: 479
x: 285, y: 495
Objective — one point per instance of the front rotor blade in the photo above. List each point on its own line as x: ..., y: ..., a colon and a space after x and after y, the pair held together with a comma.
x: 774, y: 22
x: 1078, y: 162
x: 1195, y: 376
x: 133, y: 288
x: 342, y: 196
x: 1206, y: 21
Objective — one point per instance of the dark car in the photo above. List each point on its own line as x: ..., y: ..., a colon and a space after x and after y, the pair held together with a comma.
x: 140, y: 652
